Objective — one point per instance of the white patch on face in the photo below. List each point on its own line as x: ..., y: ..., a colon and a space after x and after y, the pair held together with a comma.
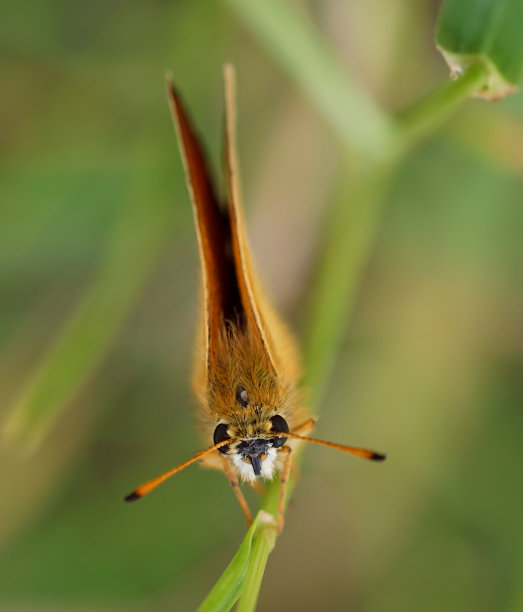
x: 245, y: 469
x: 267, y: 465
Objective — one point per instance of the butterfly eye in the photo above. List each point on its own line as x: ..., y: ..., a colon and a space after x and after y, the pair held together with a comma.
x: 279, y: 424
x: 242, y: 397
x: 220, y: 434
x: 278, y: 442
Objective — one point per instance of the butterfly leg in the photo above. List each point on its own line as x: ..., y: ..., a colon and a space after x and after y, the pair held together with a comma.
x: 305, y: 428
x: 236, y: 488
x: 301, y: 430
x: 257, y: 486
x: 284, y: 478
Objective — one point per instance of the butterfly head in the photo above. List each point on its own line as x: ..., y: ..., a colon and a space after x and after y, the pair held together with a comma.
x: 253, y: 446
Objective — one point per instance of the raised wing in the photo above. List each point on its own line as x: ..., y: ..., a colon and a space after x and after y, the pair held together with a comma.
x: 231, y: 290
x: 254, y: 304
x: 220, y: 288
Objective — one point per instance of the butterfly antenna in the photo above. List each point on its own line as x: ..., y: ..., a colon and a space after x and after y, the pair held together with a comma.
x: 148, y: 486
x: 364, y: 453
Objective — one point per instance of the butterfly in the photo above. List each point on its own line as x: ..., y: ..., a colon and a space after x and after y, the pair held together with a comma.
x: 247, y: 368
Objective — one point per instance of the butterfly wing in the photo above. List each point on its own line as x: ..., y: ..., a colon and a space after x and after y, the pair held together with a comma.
x: 271, y: 334
x: 220, y: 290
x: 231, y: 291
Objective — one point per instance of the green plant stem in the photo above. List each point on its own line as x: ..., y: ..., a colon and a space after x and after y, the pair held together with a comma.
x: 354, y: 221
x: 430, y: 111
x: 352, y: 226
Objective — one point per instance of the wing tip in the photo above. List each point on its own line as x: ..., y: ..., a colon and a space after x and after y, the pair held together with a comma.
x: 169, y: 84
x: 229, y: 70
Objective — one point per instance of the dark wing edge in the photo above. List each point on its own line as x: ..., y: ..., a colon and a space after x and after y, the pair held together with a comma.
x: 221, y: 297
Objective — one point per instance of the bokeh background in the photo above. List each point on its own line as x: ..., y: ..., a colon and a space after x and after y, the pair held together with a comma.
x: 96, y: 235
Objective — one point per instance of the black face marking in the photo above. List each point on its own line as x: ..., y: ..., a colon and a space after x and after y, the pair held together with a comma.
x: 242, y: 397
x: 220, y: 434
x: 249, y: 448
x: 279, y: 425
x: 255, y: 462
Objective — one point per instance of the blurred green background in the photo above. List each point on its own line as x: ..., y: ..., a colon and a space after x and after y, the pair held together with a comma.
x: 96, y: 225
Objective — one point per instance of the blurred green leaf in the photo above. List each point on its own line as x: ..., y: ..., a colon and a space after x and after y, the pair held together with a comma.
x: 486, y: 32
x: 99, y: 316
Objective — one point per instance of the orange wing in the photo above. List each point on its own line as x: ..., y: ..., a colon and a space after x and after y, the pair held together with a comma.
x: 231, y: 290
x: 221, y: 297
x: 272, y: 336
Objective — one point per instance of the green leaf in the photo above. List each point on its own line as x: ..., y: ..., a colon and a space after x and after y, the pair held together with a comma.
x: 230, y: 584
x: 488, y: 33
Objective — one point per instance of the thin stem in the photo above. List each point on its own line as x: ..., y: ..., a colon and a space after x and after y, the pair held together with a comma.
x: 427, y: 113
x: 354, y: 222
x: 348, y: 242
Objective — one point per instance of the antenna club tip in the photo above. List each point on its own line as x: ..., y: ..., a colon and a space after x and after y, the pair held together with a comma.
x: 132, y: 497
x: 378, y: 457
